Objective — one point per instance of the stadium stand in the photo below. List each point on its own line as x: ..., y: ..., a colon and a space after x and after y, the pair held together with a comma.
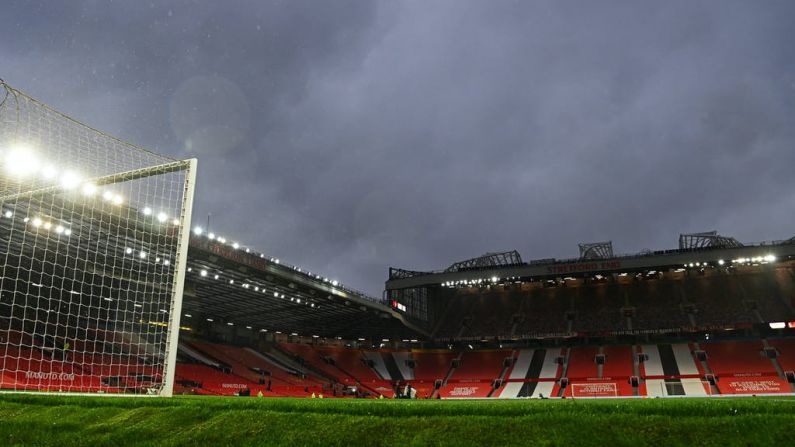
x: 618, y: 363
x: 738, y: 358
x: 582, y: 363
x: 657, y: 303
x: 533, y: 374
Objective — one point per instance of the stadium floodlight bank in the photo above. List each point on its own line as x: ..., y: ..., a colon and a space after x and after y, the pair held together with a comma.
x: 93, y: 246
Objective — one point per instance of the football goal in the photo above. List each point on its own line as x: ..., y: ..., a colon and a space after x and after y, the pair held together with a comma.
x: 93, y: 245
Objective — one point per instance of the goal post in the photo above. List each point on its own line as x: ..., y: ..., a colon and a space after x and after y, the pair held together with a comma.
x: 94, y: 236
x: 172, y: 342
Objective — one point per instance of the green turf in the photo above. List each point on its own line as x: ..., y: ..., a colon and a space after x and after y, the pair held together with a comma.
x: 63, y: 421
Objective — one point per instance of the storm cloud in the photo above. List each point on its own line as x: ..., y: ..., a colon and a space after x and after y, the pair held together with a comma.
x: 348, y: 136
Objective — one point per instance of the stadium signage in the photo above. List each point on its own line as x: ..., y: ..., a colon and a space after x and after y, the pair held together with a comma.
x: 397, y: 305
x: 756, y: 386
x: 584, y: 267
x: 37, y: 375
x: 237, y: 256
x: 605, y: 389
x: 463, y: 391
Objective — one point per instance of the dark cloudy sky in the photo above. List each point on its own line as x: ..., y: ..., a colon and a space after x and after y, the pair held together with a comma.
x: 348, y: 136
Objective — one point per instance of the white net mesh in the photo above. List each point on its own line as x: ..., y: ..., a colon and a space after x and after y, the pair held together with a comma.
x: 92, y: 233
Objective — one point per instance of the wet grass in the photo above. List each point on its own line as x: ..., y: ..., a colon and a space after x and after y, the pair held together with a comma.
x: 181, y: 421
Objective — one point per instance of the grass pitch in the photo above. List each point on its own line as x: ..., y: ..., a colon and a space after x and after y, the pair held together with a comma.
x: 64, y: 421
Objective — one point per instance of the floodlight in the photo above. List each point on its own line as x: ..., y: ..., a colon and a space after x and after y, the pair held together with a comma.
x: 70, y: 180
x: 89, y: 189
x: 21, y: 162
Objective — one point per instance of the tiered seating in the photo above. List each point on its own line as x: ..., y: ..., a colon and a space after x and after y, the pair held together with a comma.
x: 543, y: 311
x: 786, y: 351
x: 618, y: 362
x: 657, y: 304
x: 765, y: 290
x: 212, y: 380
x: 718, y: 300
x: 30, y: 369
x: 350, y: 361
x: 317, y: 359
x: 738, y: 358
x: 474, y: 378
x: 582, y: 364
x: 598, y: 308
x: 432, y: 365
x: 480, y: 366
x: 668, y: 301
x: 276, y: 373
x: 456, y: 312
x: 230, y: 355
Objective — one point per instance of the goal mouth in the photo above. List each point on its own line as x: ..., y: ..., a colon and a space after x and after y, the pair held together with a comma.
x: 93, y: 245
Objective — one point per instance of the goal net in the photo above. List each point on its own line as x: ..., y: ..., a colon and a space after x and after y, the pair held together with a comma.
x: 93, y: 245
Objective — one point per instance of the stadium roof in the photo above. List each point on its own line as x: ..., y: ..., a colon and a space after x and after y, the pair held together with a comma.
x: 257, y: 293
x: 698, y: 248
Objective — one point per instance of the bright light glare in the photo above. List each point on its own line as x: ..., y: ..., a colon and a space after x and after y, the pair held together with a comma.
x: 89, y: 189
x: 770, y: 258
x: 107, y: 195
x: 147, y: 211
x: 197, y: 231
x: 49, y: 172
x: 161, y: 217
x: 9, y: 214
x: 70, y: 180
x: 117, y: 199
x: 21, y: 162
x: 37, y: 222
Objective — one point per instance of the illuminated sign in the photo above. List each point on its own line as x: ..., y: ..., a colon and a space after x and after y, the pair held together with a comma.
x: 584, y: 267
x: 398, y: 306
